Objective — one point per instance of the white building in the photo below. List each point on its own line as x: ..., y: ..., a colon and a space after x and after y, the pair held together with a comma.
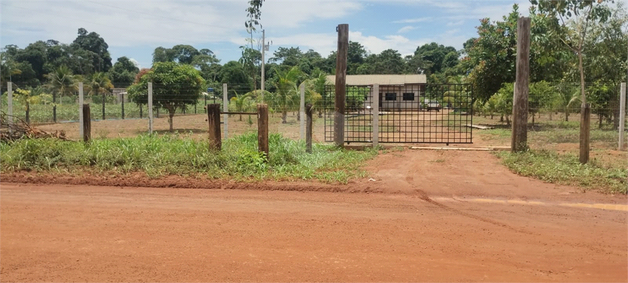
x: 396, y: 92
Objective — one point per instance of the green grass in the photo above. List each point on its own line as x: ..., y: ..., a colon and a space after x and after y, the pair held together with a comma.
x: 567, y: 170
x: 40, y: 113
x: 181, y: 155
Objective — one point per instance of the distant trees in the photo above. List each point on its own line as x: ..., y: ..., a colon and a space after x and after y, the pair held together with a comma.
x: 123, y: 72
x: 28, y: 67
x: 204, y: 60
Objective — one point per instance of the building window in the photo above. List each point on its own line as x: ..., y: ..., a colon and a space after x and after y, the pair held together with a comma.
x: 408, y: 96
x: 391, y: 96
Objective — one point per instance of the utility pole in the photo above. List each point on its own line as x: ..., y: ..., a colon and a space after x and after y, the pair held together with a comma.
x: 263, y: 51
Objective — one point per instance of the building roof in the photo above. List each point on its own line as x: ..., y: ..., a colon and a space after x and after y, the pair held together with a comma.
x: 381, y: 79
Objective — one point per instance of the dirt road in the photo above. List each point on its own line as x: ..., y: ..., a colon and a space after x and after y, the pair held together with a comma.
x: 90, y: 233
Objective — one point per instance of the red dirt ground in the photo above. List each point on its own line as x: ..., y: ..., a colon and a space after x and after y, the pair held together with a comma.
x: 393, y: 227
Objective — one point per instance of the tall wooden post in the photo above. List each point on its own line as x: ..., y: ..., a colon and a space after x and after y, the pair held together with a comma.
x: 87, y: 123
x: 103, y: 106
x: 262, y: 128
x: 622, y: 115
x: 585, y: 128
x: 122, y: 101
x: 54, y: 106
x: 213, y: 119
x: 341, y: 80
x: 308, y: 128
x: 519, y: 140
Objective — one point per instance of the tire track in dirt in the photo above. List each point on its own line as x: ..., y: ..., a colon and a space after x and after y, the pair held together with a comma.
x: 423, y: 196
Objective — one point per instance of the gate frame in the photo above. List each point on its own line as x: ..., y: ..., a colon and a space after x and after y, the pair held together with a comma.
x: 371, y: 108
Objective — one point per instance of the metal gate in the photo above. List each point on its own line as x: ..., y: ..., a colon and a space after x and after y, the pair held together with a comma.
x: 411, y: 113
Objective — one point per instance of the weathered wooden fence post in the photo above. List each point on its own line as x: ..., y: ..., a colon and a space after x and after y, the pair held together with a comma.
x: 341, y: 79
x: 104, y: 98
x: 375, y: 107
x: 622, y: 115
x: 122, y: 101
x: 87, y: 123
x: 586, y: 132
x: 519, y: 140
x: 54, y: 106
x: 262, y: 128
x: 308, y: 128
x: 213, y: 119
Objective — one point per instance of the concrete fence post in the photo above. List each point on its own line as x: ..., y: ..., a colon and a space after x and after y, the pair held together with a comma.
x: 80, y: 109
x: 150, y: 108
x: 225, y: 108
x: 375, y: 107
x: 10, y: 106
x: 302, y: 114
x: 622, y: 116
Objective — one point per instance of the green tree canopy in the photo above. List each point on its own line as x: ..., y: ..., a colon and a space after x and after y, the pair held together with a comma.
x: 174, y: 86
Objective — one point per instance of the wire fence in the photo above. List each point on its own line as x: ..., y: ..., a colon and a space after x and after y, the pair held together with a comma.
x: 123, y: 114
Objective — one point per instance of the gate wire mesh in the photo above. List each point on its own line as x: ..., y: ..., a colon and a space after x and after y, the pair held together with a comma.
x: 411, y: 113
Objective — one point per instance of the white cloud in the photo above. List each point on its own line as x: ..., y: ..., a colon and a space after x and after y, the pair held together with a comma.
x: 164, y: 22
x: 293, y: 14
x: 136, y: 63
x: 412, y: 21
x: 406, y: 29
x: 458, y: 23
x: 123, y: 23
x: 376, y: 44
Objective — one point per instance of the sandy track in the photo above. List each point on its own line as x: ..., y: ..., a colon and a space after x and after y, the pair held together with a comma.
x: 89, y: 233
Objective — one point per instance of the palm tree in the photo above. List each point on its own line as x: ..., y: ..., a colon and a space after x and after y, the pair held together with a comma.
x: 242, y: 102
x: 286, y: 94
x: 568, y: 96
x: 61, y: 82
x: 99, y: 83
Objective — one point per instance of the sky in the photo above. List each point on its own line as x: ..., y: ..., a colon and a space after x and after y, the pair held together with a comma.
x: 134, y: 28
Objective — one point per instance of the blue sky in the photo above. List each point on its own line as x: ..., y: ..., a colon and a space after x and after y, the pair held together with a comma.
x: 134, y: 28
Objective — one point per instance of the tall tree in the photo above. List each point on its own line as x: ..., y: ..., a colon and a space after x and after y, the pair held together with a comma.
x: 436, y: 57
x: 233, y: 73
x: 94, y: 43
x: 583, y: 14
x: 174, y: 86
x: 61, y: 81
x: 286, y: 94
x: 123, y: 72
x: 356, y: 55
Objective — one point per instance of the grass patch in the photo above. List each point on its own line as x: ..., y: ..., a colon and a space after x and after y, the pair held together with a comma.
x: 182, y: 155
x: 566, y: 170
x: 573, y: 136
x: 40, y: 113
